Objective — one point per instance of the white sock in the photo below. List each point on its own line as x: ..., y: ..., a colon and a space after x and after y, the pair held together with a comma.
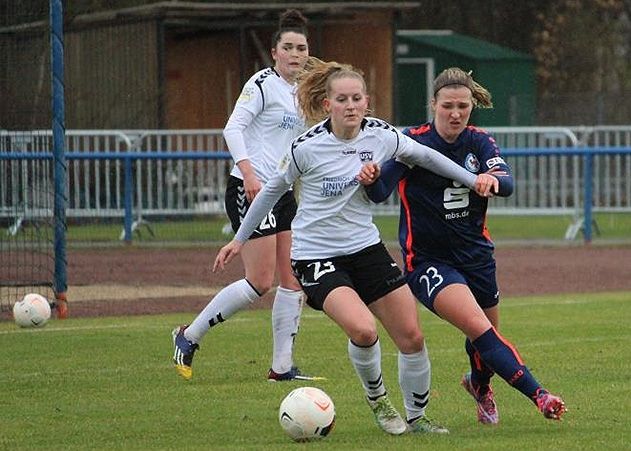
x: 285, y: 320
x: 226, y: 303
x: 414, y: 379
x: 367, y: 363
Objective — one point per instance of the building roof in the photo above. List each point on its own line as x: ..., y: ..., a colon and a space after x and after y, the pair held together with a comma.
x: 459, y: 44
x: 221, y: 14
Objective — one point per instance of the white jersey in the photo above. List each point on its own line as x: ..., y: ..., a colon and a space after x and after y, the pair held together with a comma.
x: 334, y: 213
x: 264, y: 121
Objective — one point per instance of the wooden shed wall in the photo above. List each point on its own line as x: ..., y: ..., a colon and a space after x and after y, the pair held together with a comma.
x: 144, y: 75
x: 205, y: 71
x: 201, y: 79
x: 367, y: 45
x: 112, y: 77
x: 24, y: 81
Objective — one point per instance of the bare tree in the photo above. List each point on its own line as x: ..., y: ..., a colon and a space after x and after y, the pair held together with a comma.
x: 583, y: 53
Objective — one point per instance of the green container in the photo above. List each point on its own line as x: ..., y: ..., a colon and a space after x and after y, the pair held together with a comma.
x: 422, y: 54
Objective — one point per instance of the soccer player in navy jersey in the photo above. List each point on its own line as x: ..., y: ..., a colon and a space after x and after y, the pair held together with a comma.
x: 447, y: 250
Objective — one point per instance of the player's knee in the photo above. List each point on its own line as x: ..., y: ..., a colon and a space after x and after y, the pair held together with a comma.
x: 261, y: 284
x: 291, y: 283
x: 412, y: 341
x: 264, y: 288
x: 261, y: 288
x: 363, y: 334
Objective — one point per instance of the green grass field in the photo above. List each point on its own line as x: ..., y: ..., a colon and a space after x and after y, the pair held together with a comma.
x: 108, y: 383
x: 612, y: 226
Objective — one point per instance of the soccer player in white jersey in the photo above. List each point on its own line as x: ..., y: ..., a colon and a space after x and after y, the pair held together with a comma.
x: 264, y: 121
x: 337, y: 254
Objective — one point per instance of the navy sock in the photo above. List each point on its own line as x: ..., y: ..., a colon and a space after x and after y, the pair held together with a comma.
x: 501, y: 356
x: 480, y: 373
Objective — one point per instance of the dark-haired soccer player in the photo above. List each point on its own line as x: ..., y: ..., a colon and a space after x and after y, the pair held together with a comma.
x: 263, y: 123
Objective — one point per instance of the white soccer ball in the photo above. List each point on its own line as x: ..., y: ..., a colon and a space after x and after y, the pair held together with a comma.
x: 307, y: 413
x: 32, y: 311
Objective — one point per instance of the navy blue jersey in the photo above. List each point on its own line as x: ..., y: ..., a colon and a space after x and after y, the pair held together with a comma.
x: 442, y: 219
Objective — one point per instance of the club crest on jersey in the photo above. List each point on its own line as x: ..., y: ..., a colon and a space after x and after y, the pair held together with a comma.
x: 365, y: 155
x: 471, y: 163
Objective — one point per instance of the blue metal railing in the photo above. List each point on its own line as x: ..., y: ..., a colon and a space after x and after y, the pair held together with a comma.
x: 587, y: 155
x: 127, y: 158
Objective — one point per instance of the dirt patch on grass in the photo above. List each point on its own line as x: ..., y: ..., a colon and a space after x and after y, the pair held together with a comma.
x: 136, y: 280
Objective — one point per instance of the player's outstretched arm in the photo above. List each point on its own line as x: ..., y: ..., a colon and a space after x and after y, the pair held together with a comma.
x: 484, y: 184
x: 414, y: 153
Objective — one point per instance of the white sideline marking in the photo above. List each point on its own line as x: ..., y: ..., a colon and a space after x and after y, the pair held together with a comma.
x: 48, y: 328
x: 166, y: 326
x: 317, y: 315
x: 110, y: 292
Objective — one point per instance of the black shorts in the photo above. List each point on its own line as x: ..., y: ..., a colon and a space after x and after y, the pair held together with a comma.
x: 277, y: 220
x: 371, y: 272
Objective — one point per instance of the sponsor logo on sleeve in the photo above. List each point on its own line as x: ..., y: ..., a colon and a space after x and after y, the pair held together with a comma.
x: 283, y: 164
x: 246, y: 94
x: 494, y: 161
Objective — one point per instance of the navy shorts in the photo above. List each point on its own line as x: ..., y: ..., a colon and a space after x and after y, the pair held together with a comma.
x: 430, y: 277
x: 277, y: 220
x: 371, y: 272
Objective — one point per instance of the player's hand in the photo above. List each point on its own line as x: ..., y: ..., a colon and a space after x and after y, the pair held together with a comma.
x: 252, y: 186
x: 368, y: 174
x: 489, y: 185
x: 486, y: 185
x: 226, y: 254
